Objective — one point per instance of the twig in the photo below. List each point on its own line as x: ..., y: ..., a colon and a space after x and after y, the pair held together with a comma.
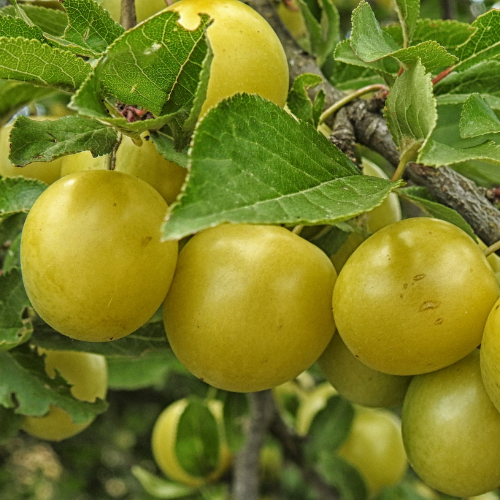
x: 343, y: 135
x: 348, y: 98
x: 128, y: 17
x: 246, y: 463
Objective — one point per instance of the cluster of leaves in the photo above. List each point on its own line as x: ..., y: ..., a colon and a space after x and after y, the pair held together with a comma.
x: 249, y: 160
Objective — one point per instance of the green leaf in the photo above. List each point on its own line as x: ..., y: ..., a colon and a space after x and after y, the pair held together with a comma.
x: 10, y: 424
x: 12, y: 257
x: 481, y: 78
x: 14, y: 27
x: 483, y: 44
x: 197, y: 439
x: 38, y: 63
x: 150, y: 337
x: 478, y: 118
x: 482, y: 173
x: 348, y: 77
x: 448, y: 33
x: 329, y: 428
x: 160, y: 487
x: 323, y: 34
x: 343, y: 476
x: 251, y: 162
x: 150, y: 369
x: 152, y: 67
x: 235, y: 415
x: 30, y: 391
x: 450, y: 99
x: 372, y: 45
x: 165, y: 146
x: 51, y: 21
x: 408, y: 13
x: 14, y: 330
x: 437, y: 154
x: 298, y: 100
x: 421, y: 198
x: 90, y: 26
x: 386, y: 66
x: 368, y: 40
x: 46, y: 140
x: 411, y: 110
x: 14, y: 95
x: 18, y: 194
x: 331, y: 241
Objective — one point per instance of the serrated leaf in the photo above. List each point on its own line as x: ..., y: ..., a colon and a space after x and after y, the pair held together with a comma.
x: 329, y: 428
x: 437, y: 154
x: 38, y: 63
x: 150, y: 369
x: 235, y: 414
x: 251, y: 162
x: 10, y: 424
x: 90, y: 26
x: 14, y: 95
x: 373, y: 45
x: 46, y: 140
x: 197, y: 439
x: 448, y: 33
x: 152, y: 66
x: 160, y: 487
x: 421, y: 198
x: 17, y: 195
x: 165, y: 146
x: 477, y: 118
x: 411, y: 110
x: 51, y: 21
x: 30, y: 391
x: 386, y: 66
x: 150, y: 337
x: 481, y: 78
x: 343, y: 476
x: 14, y: 27
x: 408, y: 12
x: 14, y: 330
x: 368, y: 40
x: 483, y: 44
x: 323, y: 34
x: 298, y: 100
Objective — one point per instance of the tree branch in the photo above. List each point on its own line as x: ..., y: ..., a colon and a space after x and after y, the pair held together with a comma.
x: 246, y: 462
x: 446, y: 185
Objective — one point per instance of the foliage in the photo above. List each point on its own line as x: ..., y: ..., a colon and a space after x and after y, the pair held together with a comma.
x: 249, y: 161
